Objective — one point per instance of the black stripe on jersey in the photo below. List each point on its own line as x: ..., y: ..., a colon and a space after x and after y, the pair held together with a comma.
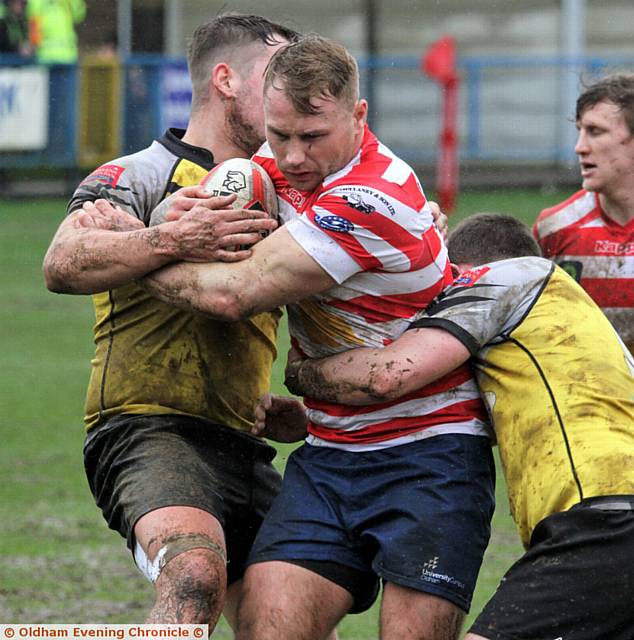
x: 451, y: 327
x: 171, y: 186
x: 446, y: 303
x: 562, y: 427
x: 536, y: 297
x: 99, y: 190
x: 102, y: 392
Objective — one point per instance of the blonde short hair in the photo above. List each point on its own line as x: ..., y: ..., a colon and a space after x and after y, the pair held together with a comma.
x: 313, y: 67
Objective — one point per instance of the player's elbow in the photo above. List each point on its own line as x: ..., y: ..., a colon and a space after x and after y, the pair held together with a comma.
x: 53, y: 277
x: 384, y: 384
x: 227, y: 306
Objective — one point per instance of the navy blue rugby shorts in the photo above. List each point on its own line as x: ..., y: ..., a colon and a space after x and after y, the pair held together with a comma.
x: 417, y: 515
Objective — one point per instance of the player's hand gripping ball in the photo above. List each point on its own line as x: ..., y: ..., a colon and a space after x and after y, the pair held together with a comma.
x: 245, y: 178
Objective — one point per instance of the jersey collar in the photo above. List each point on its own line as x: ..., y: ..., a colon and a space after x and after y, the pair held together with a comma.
x: 172, y: 141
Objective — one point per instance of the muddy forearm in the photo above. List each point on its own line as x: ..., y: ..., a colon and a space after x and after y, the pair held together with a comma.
x: 89, y: 260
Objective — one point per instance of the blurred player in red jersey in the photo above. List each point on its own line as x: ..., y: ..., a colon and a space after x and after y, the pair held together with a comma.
x: 591, y: 235
x: 356, y: 260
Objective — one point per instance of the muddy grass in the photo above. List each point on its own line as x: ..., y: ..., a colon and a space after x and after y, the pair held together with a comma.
x: 101, y: 585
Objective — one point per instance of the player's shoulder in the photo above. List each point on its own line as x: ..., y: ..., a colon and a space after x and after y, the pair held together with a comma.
x: 579, y: 196
x: 380, y: 163
x: 376, y: 177
x: 508, y: 288
x: 524, y: 269
x: 505, y: 273
x: 136, y: 167
x: 572, y: 211
x: 135, y: 181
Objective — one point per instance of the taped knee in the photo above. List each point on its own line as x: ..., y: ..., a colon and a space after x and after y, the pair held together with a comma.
x: 173, y: 547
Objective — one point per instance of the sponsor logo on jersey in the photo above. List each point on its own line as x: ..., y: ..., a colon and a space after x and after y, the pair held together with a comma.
x: 354, y: 193
x: 334, y: 223
x: 106, y: 173
x: 293, y: 196
x: 235, y: 181
x: 573, y: 268
x: 356, y: 202
x: 469, y: 278
x: 610, y: 247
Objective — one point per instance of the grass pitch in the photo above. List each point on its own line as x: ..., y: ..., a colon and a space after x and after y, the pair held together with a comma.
x: 59, y: 562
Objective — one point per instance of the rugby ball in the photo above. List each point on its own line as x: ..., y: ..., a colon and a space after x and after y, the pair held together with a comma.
x: 248, y: 180
x: 241, y: 176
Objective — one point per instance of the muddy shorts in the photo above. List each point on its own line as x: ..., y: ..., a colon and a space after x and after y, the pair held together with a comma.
x: 136, y: 464
x: 575, y: 582
x: 417, y: 515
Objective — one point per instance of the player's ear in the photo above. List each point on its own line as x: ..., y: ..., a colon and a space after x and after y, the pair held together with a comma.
x: 360, y: 113
x: 224, y: 80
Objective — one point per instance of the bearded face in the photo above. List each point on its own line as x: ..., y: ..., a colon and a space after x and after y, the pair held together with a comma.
x: 246, y: 129
x: 244, y: 114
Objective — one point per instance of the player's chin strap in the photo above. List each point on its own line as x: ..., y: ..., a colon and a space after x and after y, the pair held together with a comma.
x: 173, y: 547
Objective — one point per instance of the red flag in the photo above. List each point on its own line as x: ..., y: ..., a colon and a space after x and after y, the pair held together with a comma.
x: 439, y: 61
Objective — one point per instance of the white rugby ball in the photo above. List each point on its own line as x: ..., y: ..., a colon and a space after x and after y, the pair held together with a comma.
x: 248, y: 180
x: 241, y: 176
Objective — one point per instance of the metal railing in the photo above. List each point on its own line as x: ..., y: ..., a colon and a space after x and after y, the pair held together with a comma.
x: 510, y: 109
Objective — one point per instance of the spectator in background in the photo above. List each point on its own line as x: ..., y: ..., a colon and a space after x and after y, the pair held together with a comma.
x: 591, y: 235
x: 52, y: 24
x: 14, y: 28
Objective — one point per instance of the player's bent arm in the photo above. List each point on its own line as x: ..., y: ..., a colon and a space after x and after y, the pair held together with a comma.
x: 89, y: 259
x: 278, y: 272
x: 101, y: 247
x: 369, y: 376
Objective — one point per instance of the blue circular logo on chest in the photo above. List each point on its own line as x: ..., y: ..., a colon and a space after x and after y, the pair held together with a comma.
x: 334, y: 223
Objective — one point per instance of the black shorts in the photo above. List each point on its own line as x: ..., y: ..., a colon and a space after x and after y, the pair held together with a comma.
x: 136, y: 464
x: 575, y: 582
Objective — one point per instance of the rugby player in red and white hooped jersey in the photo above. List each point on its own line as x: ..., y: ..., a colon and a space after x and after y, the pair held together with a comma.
x: 368, y: 211
x: 591, y: 234
x: 357, y: 259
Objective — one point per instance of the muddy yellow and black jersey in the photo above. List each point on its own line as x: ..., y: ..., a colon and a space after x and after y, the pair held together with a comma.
x: 556, y: 378
x: 152, y: 358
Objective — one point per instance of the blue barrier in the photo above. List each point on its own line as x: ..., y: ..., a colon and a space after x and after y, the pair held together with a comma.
x: 142, y: 104
x: 511, y: 108
x: 61, y: 149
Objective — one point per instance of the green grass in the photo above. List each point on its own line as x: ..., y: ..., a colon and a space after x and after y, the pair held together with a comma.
x: 59, y: 562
